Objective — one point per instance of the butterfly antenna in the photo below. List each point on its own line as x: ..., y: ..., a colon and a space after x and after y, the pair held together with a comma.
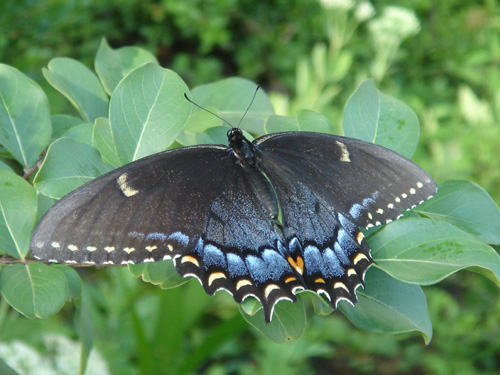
x: 251, y: 102
x: 206, y: 110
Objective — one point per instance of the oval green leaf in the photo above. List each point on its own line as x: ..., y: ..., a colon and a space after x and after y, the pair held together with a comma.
x: 467, y: 206
x: 422, y: 251
x: 68, y: 165
x: 79, y: 85
x: 387, y: 305
x: 277, y: 124
x: 288, y: 322
x: 372, y: 116
x: 305, y: 120
x: 18, y: 212
x: 24, y: 116
x: 103, y: 140
x: 81, y: 133
x: 112, y: 65
x: 62, y: 123
x: 158, y: 273
x: 72, y: 278
x: 147, y: 111
x: 231, y: 97
x: 34, y: 289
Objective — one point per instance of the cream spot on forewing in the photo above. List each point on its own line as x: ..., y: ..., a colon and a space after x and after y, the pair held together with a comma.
x: 420, y: 185
x: 390, y: 205
x: 128, y: 250
x: 412, y: 191
x: 345, y: 154
x: 72, y: 247
x: 109, y: 249
x: 91, y: 248
x: 54, y: 244
x: 404, y: 195
x: 124, y: 187
x: 397, y: 199
x: 380, y: 211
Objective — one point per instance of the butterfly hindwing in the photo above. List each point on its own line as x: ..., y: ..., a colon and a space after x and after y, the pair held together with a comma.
x: 328, y: 187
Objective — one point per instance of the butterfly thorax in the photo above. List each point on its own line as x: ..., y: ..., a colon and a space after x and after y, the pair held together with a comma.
x: 242, y: 149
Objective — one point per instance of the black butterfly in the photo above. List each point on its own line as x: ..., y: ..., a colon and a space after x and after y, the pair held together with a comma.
x: 263, y: 218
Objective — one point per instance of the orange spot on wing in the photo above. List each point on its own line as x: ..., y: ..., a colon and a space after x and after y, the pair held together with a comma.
x: 297, y: 264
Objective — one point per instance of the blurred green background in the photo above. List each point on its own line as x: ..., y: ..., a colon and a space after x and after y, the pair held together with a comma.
x: 440, y: 57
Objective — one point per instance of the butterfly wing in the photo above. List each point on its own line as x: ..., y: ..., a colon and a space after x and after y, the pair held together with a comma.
x: 195, y: 205
x: 329, y: 186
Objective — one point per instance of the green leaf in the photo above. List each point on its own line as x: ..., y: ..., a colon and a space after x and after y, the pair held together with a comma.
x: 81, y: 133
x: 320, y: 304
x: 18, y: 212
x: 158, y: 273
x: 5, y: 167
x: 313, y: 122
x: 24, y: 116
x: 231, y: 97
x: 199, y: 122
x: 423, y: 251
x: 373, y: 116
x: 102, y: 139
x: 288, y: 322
x: 147, y: 111
x: 304, y: 121
x: 62, y: 123
x: 467, y: 206
x: 277, y: 123
x: 112, y: 65
x: 34, y: 289
x: 72, y: 278
x: 79, y: 85
x: 67, y: 165
x: 387, y: 305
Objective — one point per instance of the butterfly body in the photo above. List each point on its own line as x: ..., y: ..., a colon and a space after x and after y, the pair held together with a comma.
x: 213, y: 209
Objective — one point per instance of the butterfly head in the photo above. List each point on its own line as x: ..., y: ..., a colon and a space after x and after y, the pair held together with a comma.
x: 234, y: 137
x: 242, y: 149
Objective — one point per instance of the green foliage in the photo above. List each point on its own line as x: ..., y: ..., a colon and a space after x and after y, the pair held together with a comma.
x: 447, y: 72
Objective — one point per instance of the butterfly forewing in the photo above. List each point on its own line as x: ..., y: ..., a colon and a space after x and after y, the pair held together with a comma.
x: 195, y: 205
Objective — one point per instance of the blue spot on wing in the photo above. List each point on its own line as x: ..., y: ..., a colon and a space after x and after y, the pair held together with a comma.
x: 270, y: 267
x: 213, y: 256
x: 180, y: 237
x: 341, y: 254
x: 236, y: 266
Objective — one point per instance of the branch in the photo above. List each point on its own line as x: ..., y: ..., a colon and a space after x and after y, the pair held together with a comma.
x: 7, y: 259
